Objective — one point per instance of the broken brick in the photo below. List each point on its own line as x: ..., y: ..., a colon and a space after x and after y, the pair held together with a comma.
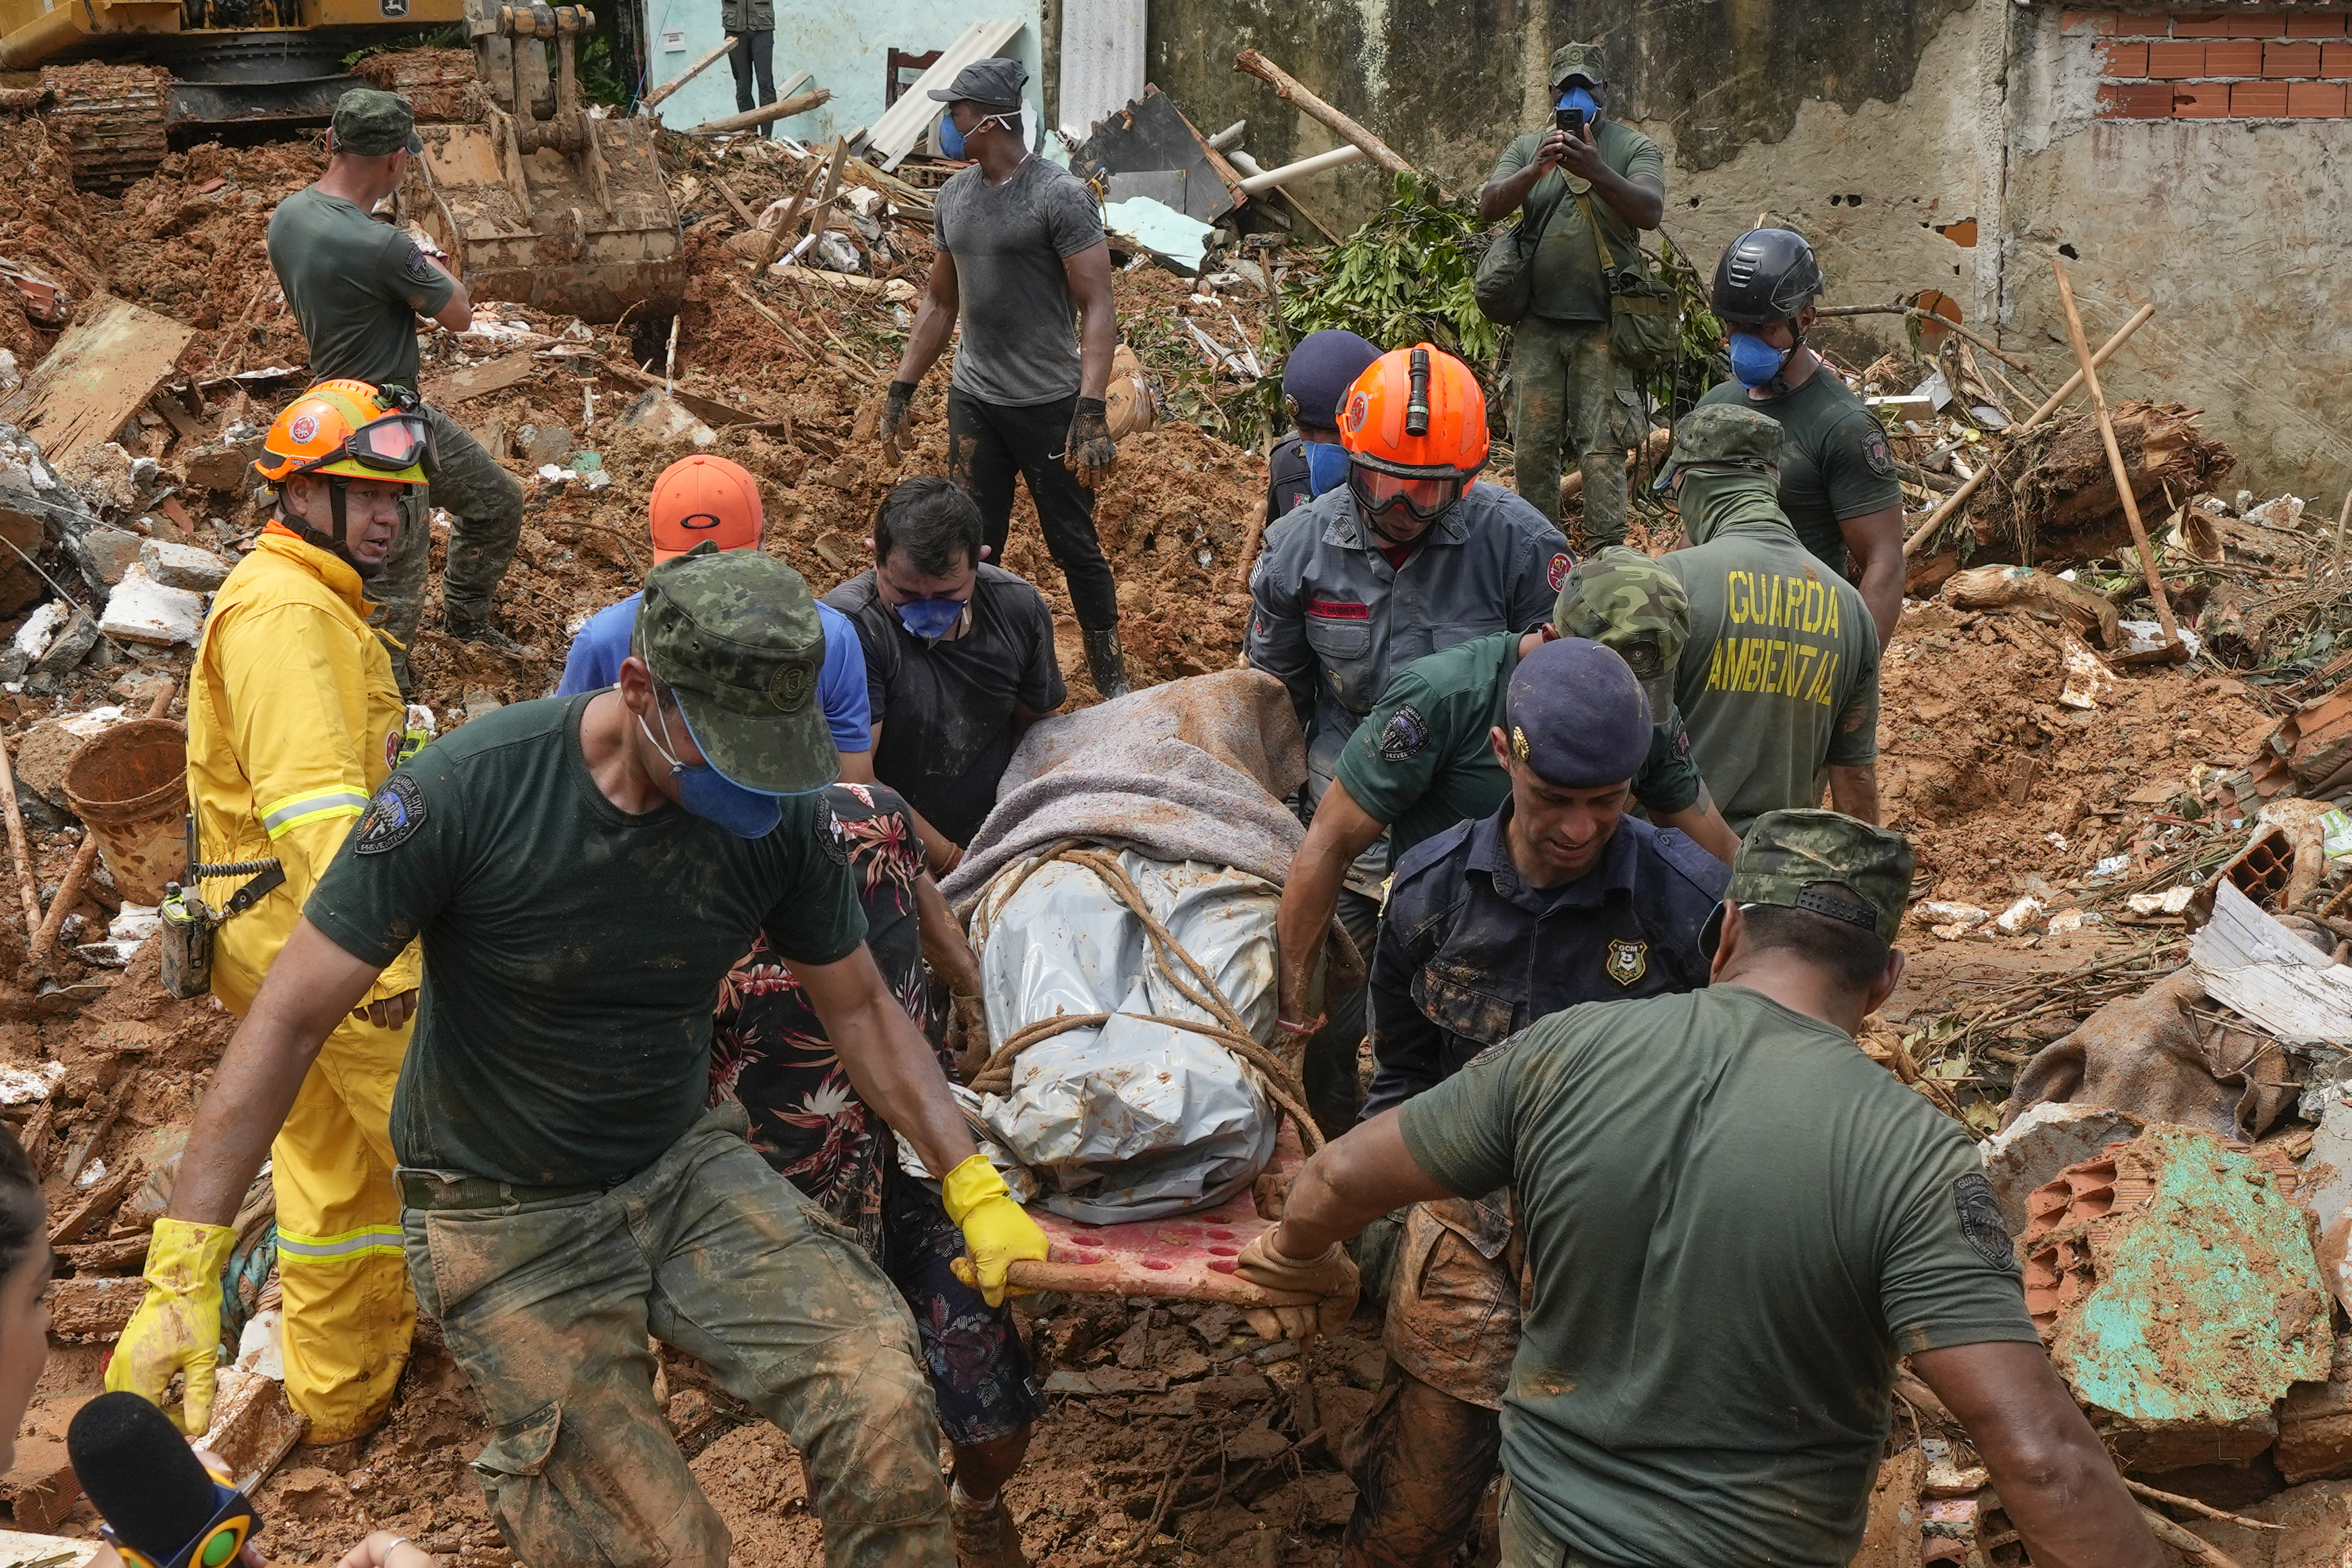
x: 93, y: 1309
x: 2087, y: 22
x: 2176, y: 1286
x: 2043, y: 1141
x: 2201, y: 100
x: 253, y: 1427
x: 41, y: 1488
x: 2316, y: 1425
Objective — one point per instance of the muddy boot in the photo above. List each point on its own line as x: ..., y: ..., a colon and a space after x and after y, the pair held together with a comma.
x: 985, y: 1535
x: 469, y: 628
x: 1107, y: 661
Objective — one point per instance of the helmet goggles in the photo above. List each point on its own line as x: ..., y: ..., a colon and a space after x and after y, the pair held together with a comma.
x: 1427, y: 497
x: 388, y: 442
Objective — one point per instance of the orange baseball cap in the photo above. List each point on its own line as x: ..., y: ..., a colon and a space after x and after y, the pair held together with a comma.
x: 704, y: 498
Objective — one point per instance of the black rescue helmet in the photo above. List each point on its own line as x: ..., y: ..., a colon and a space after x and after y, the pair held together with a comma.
x: 1765, y: 276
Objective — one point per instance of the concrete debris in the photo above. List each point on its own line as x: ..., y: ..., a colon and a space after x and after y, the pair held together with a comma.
x: 2030, y: 1151
x: 2175, y: 1288
x: 223, y: 466
x: 2324, y: 1192
x: 109, y: 553
x: 40, y: 628
x: 25, y: 1085
x: 69, y: 647
x: 41, y: 1489
x: 182, y: 566
x: 537, y: 443
x: 659, y: 412
x: 2018, y: 917
x: 142, y: 610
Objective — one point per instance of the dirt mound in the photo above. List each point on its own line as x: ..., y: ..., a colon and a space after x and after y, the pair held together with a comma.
x: 1995, y: 781
x: 439, y: 84
x: 43, y: 228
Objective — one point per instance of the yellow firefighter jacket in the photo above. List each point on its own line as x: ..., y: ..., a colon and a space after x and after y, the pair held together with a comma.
x: 294, y: 721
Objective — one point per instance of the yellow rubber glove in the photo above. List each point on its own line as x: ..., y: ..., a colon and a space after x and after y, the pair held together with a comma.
x: 178, y: 1327
x: 996, y: 1230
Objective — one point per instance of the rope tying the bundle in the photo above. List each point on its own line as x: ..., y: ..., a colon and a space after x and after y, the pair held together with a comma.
x: 1181, y: 970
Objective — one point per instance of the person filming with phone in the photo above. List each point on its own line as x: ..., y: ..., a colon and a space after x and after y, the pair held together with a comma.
x: 1583, y: 173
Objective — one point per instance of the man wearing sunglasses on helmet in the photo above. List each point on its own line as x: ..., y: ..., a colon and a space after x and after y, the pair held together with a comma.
x: 294, y: 720
x: 1410, y: 556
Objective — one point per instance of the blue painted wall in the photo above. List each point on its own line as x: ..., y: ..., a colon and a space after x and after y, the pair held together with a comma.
x: 844, y: 47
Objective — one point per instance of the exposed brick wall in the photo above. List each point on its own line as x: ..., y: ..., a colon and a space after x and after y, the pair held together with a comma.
x: 2245, y: 65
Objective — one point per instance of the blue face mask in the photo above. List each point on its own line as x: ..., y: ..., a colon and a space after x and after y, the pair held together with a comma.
x: 1581, y: 101
x: 714, y: 797
x: 1754, y: 361
x: 951, y: 139
x: 931, y: 619
x: 1326, y: 465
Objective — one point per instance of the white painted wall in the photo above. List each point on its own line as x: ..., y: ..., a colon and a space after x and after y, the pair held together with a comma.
x: 844, y: 47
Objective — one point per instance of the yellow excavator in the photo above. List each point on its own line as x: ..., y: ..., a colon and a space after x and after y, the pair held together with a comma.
x: 544, y: 202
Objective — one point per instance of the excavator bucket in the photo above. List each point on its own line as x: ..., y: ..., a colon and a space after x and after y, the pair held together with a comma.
x: 544, y: 205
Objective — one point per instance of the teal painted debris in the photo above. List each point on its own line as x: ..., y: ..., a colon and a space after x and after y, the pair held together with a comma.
x: 2175, y: 1284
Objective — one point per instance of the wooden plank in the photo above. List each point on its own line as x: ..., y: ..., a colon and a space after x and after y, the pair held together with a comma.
x: 2247, y: 961
x: 95, y: 1309
x: 481, y: 381
x: 106, y: 365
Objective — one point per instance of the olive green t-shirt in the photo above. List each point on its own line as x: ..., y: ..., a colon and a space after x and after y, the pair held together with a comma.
x: 1566, y: 263
x: 356, y: 286
x: 1421, y: 761
x: 572, y: 951
x: 1834, y: 464
x: 1778, y: 682
x: 1736, y: 1223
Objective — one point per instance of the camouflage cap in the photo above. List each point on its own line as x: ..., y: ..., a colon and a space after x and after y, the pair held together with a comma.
x: 1623, y: 599
x: 1788, y: 856
x: 1723, y: 433
x: 1579, y: 62
x: 736, y: 634
x: 369, y: 124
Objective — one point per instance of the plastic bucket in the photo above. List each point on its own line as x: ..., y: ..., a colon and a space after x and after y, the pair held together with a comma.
x: 130, y: 787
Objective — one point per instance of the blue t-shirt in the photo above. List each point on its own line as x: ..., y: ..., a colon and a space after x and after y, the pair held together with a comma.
x: 596, y: 653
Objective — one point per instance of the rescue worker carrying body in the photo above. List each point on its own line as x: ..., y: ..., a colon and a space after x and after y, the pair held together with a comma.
x: 1837, y: 477
x: 294, y: 721
x: 1412, y: 555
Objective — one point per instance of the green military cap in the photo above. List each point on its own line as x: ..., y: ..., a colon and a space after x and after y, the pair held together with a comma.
x: 735, y: 635
x: 1623, y: 600
x: 369, y: 124
x: 1787, y: 857
x: 1723, y: 435
x: 1579, y: 62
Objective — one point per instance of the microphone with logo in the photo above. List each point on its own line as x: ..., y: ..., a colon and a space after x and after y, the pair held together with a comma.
x: 163, y: 1506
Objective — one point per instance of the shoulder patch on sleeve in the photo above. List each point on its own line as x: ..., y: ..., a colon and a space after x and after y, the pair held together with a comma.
x: 1496, y: 1049
x: 830, y: 836
x: 1404, y: 735
x: 1981, y: 1221
x: 1557, y: 573
x: 392, y: 818
x: 415, y: 266
x: 1874, y: 453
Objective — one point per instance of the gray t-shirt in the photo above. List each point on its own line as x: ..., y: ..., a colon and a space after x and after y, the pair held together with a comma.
x: 356, y: 286
x: 1018, y: 346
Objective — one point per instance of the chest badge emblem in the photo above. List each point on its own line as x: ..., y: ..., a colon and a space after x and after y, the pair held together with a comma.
x: 1628, y: 961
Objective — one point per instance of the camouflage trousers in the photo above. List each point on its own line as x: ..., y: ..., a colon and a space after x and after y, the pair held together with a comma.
x: 1427, y: 1450
x: 547, y: 1304
x: 1568, y: 395
x: 485, y: 505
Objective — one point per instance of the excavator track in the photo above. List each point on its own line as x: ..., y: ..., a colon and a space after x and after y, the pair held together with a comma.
x: 114, y: 120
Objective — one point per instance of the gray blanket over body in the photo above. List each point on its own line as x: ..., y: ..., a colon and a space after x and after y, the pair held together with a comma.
x: 1191, y: 770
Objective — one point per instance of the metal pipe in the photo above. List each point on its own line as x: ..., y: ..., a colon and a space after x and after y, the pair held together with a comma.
x: 1336, y: 158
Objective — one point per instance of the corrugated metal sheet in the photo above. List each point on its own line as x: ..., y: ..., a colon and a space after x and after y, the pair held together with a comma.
x: 904, y: 123
x: 1102, y: 61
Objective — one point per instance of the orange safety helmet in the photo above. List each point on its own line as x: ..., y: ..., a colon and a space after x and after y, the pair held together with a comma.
x: 349, y: 430
x: 1414, y: 425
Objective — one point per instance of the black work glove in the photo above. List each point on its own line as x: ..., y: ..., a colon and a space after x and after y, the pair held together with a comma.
x: 895, y: 411
x: 1087, y: 451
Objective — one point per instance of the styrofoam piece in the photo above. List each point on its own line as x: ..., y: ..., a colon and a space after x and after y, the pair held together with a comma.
x: 142, y: 610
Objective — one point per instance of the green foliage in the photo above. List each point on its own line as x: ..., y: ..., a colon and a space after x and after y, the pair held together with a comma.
x: 599, y: 74
x: 1403, y: 278
x: 449, y: 36
x: 1700, y: 359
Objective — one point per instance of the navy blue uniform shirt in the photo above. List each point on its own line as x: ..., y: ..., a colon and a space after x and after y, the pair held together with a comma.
x: 1469, y: 954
